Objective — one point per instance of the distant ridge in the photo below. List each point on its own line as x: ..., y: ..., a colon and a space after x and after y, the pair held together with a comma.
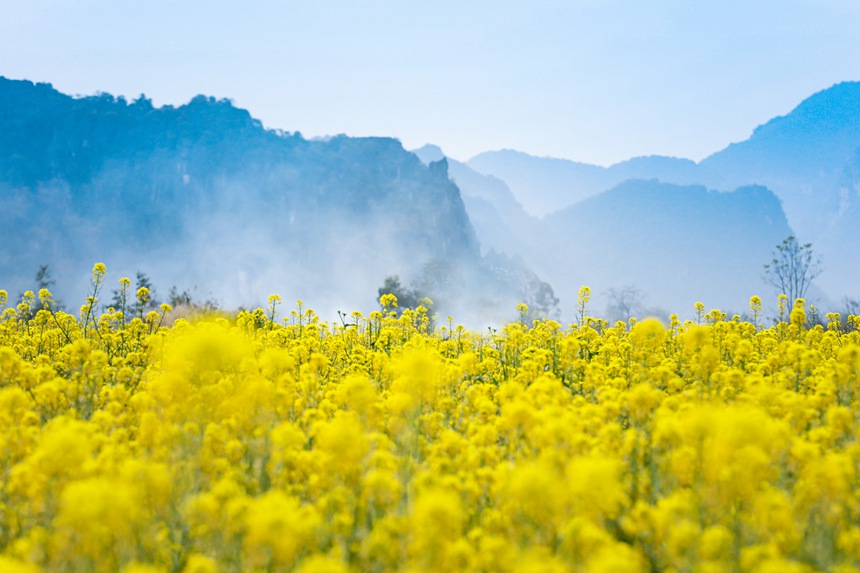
x: 678, y: 244
x: 809, y: 158
x: 501, y: 223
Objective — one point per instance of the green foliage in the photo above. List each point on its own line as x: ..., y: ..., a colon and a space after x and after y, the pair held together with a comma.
x: 406, y: 297
x: 42, y: 280
x: 188, y: 299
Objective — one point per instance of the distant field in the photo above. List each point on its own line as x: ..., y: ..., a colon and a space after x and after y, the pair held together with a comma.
x: 273, y: 441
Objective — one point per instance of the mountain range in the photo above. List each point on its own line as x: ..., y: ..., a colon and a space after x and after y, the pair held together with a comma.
x: 808, y: 159
x: 201, y: 194
x: 671, y: 244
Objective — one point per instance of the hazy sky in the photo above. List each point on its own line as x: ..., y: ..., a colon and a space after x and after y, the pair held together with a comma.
x: 589, y: 80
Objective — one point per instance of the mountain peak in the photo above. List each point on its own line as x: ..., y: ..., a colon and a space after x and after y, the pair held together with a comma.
x: 833, y: 109
x: 839, y: 100
x: 429, y: 153
x: 824, y: 129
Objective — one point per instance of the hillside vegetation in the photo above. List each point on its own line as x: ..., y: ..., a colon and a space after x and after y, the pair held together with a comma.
x: 201, y: 195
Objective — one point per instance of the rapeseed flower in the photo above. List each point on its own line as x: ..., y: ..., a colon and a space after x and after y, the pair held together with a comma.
x: 255, y: 443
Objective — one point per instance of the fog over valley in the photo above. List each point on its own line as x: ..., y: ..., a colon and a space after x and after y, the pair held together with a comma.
x: 203, y: 198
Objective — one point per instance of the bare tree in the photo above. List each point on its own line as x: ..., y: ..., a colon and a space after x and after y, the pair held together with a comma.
x: 850, y: 306
x: 793, y: 268
x: 624, y: 303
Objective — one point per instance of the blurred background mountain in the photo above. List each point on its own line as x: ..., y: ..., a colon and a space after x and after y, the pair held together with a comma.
x: 201, y: 195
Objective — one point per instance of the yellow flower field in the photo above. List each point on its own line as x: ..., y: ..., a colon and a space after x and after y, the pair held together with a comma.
x: 381, y: 444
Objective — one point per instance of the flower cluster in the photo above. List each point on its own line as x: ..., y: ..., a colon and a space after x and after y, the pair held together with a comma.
x: 382, y: 443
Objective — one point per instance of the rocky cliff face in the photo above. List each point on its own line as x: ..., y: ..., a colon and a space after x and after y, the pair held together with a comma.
x: 202, y: 194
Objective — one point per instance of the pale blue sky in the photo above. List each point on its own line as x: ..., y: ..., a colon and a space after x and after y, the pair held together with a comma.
x: 590, y: 80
